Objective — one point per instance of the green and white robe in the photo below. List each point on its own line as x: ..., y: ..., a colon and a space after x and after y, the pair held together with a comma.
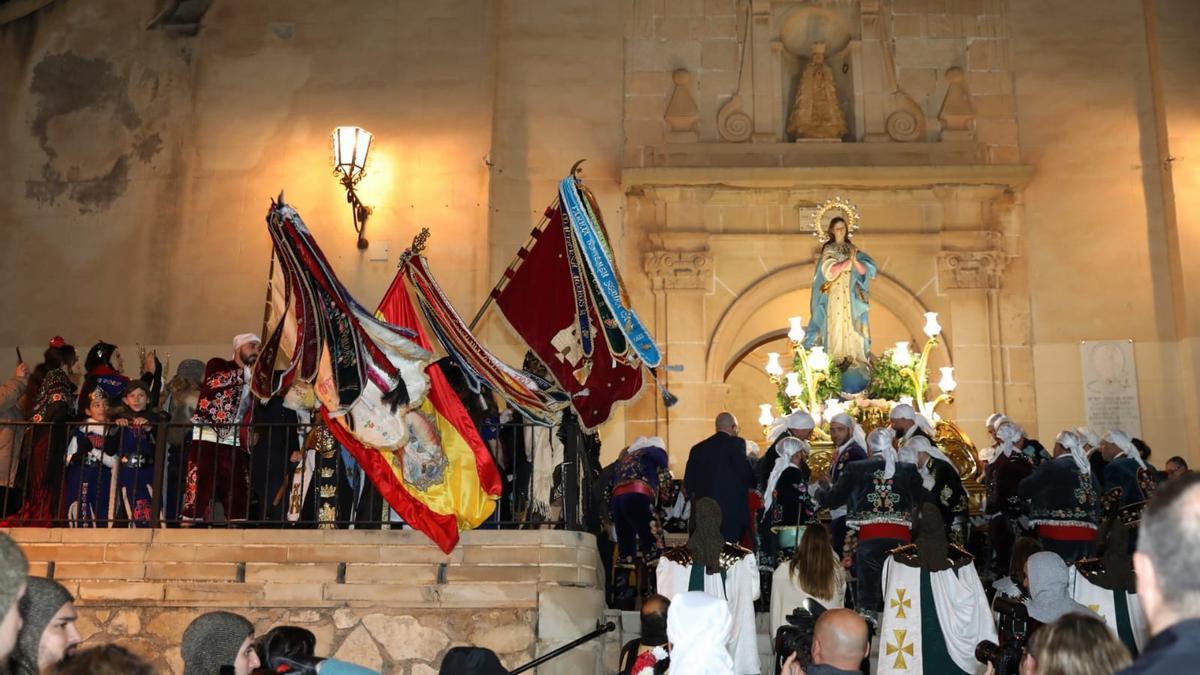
x: 931, y: 622
x: 1119, y: 609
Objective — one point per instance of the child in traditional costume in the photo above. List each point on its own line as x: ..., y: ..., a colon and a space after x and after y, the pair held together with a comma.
x: 133, y: 443
x: 89, y: 467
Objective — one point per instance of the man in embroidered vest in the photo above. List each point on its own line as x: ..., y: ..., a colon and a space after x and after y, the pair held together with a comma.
x: 640, y: 487
x: 935, y: 610
x: 1009, y: 466
x: 879, y: 495
x: 850, y: 445
x: 940, y: 478
x: 218, y: 468
x: 723, y: 570
x: 1128, y: 482
x: 1064, y: 500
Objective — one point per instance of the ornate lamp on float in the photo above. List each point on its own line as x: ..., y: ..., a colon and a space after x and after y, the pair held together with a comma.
x: 811, y: 367
x: 916, y: 371
x: 765, y: 418
x: 350, y: 148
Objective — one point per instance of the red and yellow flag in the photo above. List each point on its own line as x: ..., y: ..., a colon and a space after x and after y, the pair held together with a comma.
x: 469, y: 486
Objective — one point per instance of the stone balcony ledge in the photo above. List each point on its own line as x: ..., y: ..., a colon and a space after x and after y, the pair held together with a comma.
x: 388, y: 599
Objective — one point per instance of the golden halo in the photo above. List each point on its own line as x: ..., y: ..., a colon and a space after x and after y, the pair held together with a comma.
x: 822, y: 216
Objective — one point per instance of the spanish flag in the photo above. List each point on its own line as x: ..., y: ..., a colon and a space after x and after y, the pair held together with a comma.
x: 463, y: 494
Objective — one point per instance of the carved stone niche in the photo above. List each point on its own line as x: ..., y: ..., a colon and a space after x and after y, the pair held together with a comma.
x: 971, y: 270
x: 679, y: 270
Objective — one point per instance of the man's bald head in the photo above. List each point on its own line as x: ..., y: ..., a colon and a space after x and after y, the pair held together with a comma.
x: 728, y: 423
x: 840, y: 639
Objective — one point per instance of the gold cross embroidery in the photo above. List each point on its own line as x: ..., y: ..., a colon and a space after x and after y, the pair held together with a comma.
x: 901, y: 603
x: 1095, y: 608
x: 900, y: 649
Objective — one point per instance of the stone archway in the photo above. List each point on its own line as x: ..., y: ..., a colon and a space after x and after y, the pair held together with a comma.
x: 724, y: 350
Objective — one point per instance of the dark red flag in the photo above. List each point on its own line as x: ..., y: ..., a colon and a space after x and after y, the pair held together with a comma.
x: 538, y: 299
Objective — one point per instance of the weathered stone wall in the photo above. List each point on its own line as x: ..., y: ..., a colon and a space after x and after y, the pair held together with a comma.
x: 388, y: 600
x: 140, y: 163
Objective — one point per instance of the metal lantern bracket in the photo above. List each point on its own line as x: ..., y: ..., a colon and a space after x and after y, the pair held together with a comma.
x: 358, y: 211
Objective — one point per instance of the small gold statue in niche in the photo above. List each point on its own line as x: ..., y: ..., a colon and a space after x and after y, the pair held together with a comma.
x: 816, y: 112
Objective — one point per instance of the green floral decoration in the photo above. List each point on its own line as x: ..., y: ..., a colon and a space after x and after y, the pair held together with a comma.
x: 828, y: 387
x: 888, y: 382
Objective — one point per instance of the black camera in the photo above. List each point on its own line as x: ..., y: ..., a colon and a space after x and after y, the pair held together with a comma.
x: 1013, y: 626
x: 797, y: 635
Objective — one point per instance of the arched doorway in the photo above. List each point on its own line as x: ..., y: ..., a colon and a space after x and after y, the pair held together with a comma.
x: 756, y: 323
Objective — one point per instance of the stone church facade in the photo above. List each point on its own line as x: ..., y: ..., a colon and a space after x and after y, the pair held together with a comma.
x: 1021, y: 168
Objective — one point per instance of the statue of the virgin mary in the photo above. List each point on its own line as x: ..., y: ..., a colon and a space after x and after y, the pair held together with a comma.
x: 841, y: 288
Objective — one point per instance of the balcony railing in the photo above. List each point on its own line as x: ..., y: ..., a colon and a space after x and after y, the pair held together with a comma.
x: 270, y: 475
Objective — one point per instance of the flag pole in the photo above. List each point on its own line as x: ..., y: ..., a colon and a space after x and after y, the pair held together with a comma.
x: 487, y: 302
x: 267, y: 302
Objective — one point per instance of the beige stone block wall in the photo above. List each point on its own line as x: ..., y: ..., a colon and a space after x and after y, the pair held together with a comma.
x: 388, y: 600
x: 1100, y: 244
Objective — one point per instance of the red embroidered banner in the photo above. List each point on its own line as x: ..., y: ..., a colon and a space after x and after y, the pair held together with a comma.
x: 539, y: 301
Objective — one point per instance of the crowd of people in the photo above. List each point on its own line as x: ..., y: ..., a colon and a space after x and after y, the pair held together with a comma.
x: 1077, y: 559
x: 830, y: 554
x: 83, y: 444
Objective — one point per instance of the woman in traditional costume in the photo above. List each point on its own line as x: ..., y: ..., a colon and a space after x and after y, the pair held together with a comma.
x: 49, y: 403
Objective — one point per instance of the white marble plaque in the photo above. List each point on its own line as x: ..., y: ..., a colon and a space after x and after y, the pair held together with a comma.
x: 1110, y: 393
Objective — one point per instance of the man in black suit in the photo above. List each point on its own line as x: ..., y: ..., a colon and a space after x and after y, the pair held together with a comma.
x: 717, y: 468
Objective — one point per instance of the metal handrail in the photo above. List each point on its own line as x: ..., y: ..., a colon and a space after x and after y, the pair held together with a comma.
x: 606, y: 628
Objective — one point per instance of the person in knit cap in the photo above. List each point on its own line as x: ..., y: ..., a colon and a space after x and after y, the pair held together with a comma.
x: 48, y: 634
x: 475, y: 660
x: 14, y: 572
x: 219, y: 639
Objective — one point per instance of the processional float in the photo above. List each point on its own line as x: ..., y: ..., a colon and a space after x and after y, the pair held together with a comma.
x: 829, y: 368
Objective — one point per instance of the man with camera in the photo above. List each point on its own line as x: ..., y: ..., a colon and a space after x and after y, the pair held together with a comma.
x: 1166, y: 562
x: 1049, y: 600
x: 840, y: 641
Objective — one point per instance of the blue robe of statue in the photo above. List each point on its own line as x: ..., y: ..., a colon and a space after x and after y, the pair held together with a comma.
x: 839, y: 306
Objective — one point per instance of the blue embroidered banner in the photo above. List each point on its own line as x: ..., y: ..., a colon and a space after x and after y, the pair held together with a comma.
x: 605, y: 276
